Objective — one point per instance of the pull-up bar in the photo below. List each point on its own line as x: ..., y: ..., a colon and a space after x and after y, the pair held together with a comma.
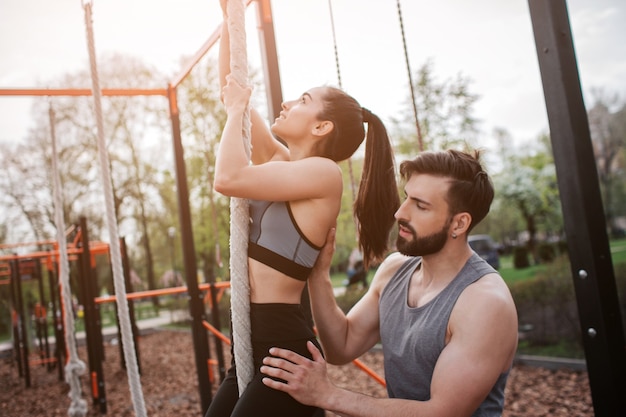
x: 77, y: 92
x: 157, y: 293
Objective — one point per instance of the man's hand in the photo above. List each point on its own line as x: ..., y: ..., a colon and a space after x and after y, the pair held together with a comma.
x: 305, y: 380
x: 321, y: 269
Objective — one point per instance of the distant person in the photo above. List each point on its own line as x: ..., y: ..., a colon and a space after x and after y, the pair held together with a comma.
x: 295, y: 196
x: 446, y: 319
x: 356, y: 271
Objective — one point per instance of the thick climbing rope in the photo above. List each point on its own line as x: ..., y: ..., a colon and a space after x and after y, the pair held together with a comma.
x: 132, y: 369
x: 74, y: 367
x: 239, y: 213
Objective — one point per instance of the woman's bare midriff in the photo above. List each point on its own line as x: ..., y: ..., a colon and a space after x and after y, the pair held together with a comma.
x: 267, y: 285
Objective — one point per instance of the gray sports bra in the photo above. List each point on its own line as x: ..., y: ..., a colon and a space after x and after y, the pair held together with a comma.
x: 276, y: 240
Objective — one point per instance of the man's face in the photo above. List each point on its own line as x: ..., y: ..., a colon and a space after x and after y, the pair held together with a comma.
x: 423, y: 218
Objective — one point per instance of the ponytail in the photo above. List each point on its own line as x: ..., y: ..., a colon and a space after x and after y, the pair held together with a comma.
x: 377, y: 199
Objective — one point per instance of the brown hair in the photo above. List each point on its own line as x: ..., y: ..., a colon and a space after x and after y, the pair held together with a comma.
x: 471, y: 189
x: 377, y: 199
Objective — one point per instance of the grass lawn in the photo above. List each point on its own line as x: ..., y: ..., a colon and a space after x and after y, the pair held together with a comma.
x: 618, y: 251
x: 512, y: 275
x: 508, y: 272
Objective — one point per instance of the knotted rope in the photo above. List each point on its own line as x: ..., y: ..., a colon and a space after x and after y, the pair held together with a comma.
x: 74, y: 367
x: 239, y: 214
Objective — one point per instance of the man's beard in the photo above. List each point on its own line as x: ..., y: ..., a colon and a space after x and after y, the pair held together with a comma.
x: 424, y: 245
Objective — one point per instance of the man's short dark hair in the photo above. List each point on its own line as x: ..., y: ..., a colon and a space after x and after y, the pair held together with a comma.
x: 471, y: 189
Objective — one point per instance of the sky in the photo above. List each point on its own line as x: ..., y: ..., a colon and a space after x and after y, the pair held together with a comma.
x: 489, y: 42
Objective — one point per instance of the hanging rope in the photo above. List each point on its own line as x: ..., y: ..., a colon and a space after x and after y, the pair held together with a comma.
x: 239, y: 213
x: 408, y: 69
x: 74, y: 367
x: 332, y: 24
x: 115, y: 251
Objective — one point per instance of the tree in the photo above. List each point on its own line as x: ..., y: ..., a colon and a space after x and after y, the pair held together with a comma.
x: 608, y: 135
x: 26, y: 177
x: 134, y: 129
x: 444, y: 111
x: 202, y: 121
x: 529, y: 186
x: 504, y: 220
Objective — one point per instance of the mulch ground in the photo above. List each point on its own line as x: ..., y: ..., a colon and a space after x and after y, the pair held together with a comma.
x: 170, y: 387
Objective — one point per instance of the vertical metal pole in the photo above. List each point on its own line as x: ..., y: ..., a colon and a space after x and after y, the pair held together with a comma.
x: 42, y: 322
x: 15, y: 314
x: 131, y: 306
x: 215, y: 313
x: 59, y: 347
x: 92, y: 321
x: 589, y: 252
x: 270, y: 58
x: 171, y: 232
x: 24, y: 351
x: 196, y: 303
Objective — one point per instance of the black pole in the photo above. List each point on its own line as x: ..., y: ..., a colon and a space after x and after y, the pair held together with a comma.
x: 23, y: 350
x: 217, y: 323
x: 42, y: 321
x: 269, y: 55
x: 57, y: 322
x: 119, y: 329
x: 15, y: 317
x: 583, y: 213
x: 196, y: 304
x: 131, y: 305
x: 94, y: 343
x: 171, y: 233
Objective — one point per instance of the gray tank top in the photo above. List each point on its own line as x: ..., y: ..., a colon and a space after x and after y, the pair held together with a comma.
x: 413, y: 338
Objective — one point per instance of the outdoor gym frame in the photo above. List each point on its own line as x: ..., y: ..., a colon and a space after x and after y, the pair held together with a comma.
x: 588, y: 244
x: 274, y: 92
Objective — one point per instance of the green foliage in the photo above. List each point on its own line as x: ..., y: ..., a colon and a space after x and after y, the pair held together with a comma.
x: 547, y: 309
x: 546, y: 252
x: 559, y: 349
x: 346, y: 228
x: 350, y: 298
x: 546, y: 305
x: 511, y: 275
x: 223, y: 311
x: 620, y: 281
x: 520, y: 257
x: 444, y: 109
x: 607, y: 125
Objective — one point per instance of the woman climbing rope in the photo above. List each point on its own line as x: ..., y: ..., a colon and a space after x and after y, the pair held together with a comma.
x: 295, y: 197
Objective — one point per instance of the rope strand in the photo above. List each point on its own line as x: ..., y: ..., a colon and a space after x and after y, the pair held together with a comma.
x: 115, y: 250
x: 350, y: 168
x: 408, y: 68
x: 74, y: 367
x: 239, y: 214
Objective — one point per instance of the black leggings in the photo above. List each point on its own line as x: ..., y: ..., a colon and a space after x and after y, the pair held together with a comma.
x: 272, y: 325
